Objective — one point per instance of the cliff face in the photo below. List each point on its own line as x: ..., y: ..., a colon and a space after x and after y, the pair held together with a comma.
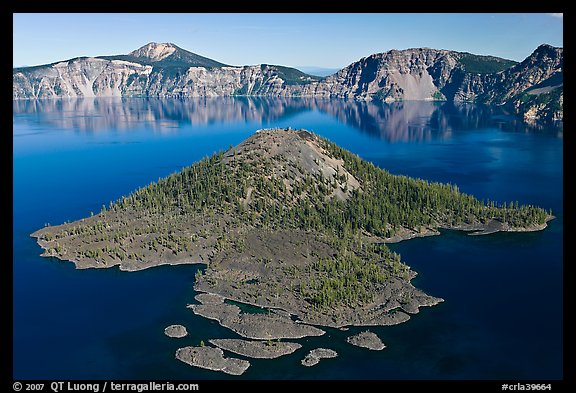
x: 532, y: 88
x: 82, y: 77
x: 92, y: 77
x: 413, y: 74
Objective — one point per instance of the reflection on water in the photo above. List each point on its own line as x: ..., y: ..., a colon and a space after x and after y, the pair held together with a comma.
x: 69, y: 160
x: 398, y: 121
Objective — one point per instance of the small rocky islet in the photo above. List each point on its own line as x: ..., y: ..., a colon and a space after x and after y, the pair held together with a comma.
x: 176, y: 331
x: 256, y: 349
x: 266, y: 326
x: 211, y: 358
x: 367, y: 339
x: 315, y: 355
x: 288, y: 222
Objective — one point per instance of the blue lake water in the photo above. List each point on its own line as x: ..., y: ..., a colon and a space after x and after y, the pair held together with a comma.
x: 502, y: 315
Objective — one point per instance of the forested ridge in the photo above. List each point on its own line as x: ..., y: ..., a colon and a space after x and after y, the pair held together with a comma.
x: 337, y: 209
x: 382, y: 205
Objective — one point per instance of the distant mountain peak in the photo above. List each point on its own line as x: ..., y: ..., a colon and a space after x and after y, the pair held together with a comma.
x: 546, y: 46
x: 155, y: 51
x: 167, y: 53
x: 164, y: 69
x: 546, y: 50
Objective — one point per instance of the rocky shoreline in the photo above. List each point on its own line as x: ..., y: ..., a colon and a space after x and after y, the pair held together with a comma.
x: 292, y: 274
x: 176, y: 331
x: 387, y: 76
x: 206, y: 249
x: 368, y: 340
x: 270, y: 326
x: 256, y: 349
x: 476, y: 229
x: 315, y: 355
x: 213, y: 359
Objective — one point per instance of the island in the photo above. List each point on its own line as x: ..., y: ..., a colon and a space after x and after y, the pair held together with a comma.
x: 315, y: 355
x: 367, y: 339
x: 287, y: 222
x: 176, y: 331
x: 211, y: 358
x: 272, y: 325
x: 256, y: 349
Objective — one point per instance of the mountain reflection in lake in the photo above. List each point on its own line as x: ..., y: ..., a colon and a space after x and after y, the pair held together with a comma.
x: 71, y: 157
x: 406, y: 121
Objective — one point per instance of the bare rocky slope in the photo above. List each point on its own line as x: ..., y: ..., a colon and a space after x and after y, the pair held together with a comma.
x: 285, y: 220
x: 532, y: 88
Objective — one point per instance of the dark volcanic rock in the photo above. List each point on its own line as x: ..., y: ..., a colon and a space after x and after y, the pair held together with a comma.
x: 368, y: 340
x: 176, y: 331
x: 256, y: 326
x: 212, y: 359
x: 257, y: 349
x: 315, y: 355
x: 270, y: 220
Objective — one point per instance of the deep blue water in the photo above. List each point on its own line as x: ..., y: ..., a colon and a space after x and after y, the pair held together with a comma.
x: 502, y: 315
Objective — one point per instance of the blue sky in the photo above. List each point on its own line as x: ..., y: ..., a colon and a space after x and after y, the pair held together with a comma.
x: 320, y: 40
